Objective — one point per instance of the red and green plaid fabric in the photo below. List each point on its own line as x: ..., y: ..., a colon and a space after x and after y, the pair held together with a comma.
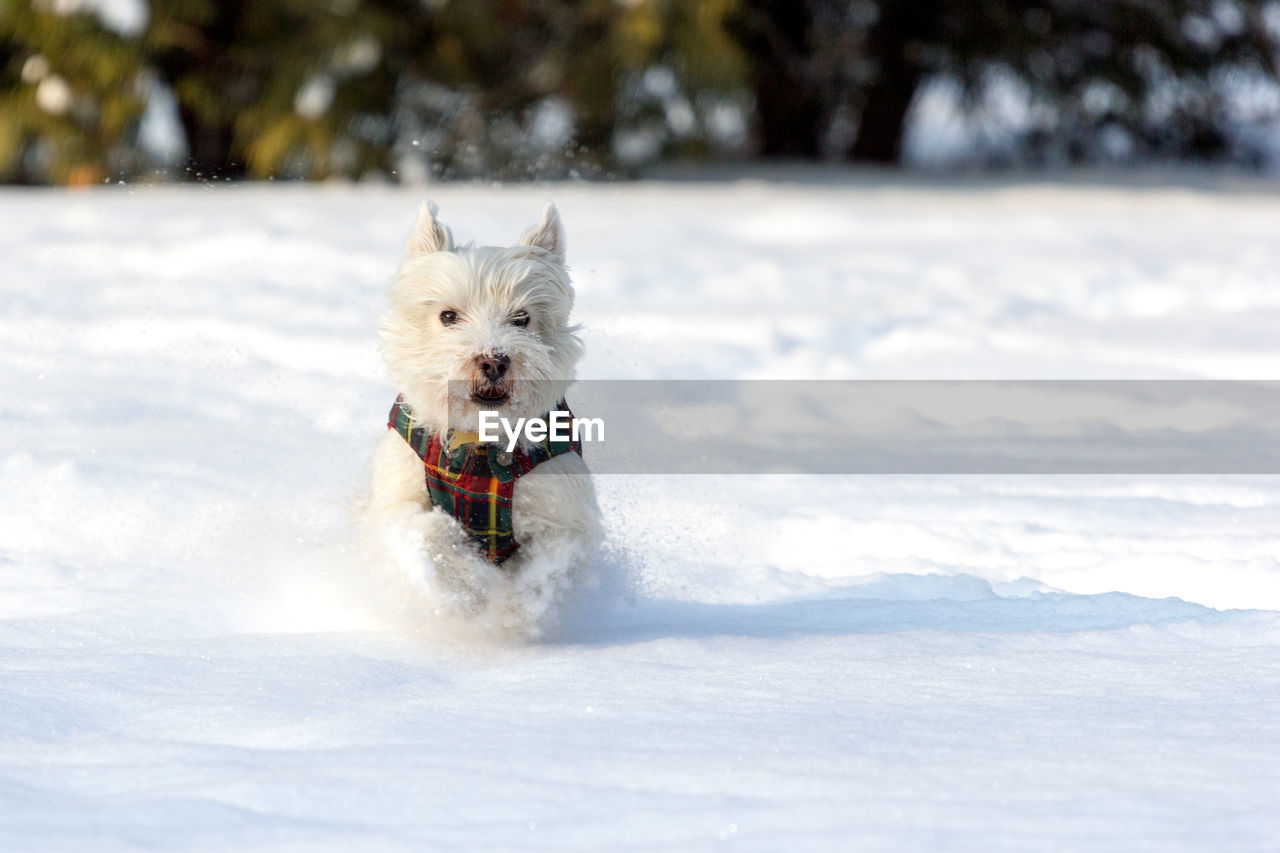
x: 474, y: 482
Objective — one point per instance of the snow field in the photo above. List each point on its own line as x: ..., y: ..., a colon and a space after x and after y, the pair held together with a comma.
x: 195, y: 653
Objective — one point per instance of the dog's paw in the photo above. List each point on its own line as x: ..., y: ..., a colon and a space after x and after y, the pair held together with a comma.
x: 455, y: 570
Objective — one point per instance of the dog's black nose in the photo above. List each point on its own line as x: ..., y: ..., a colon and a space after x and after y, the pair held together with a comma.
x: 494, y: 365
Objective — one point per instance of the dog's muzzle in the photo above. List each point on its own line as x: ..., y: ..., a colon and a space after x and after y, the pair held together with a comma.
x: 491, y: 382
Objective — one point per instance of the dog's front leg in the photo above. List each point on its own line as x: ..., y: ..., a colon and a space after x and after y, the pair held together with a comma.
x: 462, y: 574
x: 557, y: 523
x: 431, y: 548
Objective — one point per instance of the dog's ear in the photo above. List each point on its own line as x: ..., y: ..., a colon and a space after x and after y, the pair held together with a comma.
x: 547, y: 234
x: 428, y: 235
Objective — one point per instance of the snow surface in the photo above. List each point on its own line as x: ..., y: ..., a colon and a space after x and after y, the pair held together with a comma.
x: 194, y: 654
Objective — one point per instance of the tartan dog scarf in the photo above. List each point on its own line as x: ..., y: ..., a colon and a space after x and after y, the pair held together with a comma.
x: 474, y: 482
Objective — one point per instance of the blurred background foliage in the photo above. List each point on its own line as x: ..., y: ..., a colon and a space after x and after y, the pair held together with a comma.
x: 105, y: 90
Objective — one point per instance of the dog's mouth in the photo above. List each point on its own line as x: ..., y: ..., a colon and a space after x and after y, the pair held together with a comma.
x: 490, y: 394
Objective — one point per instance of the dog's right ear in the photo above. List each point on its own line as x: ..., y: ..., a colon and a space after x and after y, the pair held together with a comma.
x: 428, y: 235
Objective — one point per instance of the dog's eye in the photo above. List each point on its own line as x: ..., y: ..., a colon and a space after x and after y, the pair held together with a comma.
x: 521, y: 319
x: 448, y: 318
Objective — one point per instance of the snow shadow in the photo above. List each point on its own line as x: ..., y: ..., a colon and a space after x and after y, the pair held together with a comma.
x: 885, y: 605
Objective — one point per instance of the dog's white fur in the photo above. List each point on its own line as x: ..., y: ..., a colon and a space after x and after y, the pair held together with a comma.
x: 554, y: 515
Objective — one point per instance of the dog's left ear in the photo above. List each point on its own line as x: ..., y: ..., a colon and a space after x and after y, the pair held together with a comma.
x: 547, y: 234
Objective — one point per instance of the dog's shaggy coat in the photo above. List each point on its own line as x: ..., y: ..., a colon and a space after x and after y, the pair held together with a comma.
x: 471, y: 329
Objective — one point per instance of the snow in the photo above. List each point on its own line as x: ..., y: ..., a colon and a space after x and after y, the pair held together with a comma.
x: 195, y: 653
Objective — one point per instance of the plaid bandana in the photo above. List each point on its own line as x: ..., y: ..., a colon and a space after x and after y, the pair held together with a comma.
x: 474, y: 482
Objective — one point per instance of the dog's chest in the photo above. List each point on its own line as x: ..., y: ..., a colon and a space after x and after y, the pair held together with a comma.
x: 475, y: 482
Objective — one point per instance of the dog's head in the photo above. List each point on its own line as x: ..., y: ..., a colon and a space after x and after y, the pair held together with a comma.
x: 481, y: 328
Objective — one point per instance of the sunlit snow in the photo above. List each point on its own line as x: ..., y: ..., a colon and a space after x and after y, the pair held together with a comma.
x: 195, y: 653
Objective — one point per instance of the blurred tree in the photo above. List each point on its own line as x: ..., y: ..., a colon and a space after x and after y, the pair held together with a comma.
x: 275, y: 87
x: 497, y: 88
x: 502, y: 88
x: 795, y: 96
x: 71, y: 95
x: 507, y: 88
x: 840, y: 77
x: 523, y: 88
x: 682, y: 89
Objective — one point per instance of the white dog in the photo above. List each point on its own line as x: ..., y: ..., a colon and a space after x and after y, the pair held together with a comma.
x: 495, y: 536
